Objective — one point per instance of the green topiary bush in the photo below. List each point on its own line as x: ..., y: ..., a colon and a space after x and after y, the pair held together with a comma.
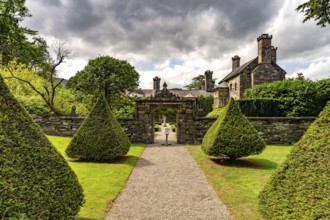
x: 35, y: 180
x: 232, y: 135
x: 100, y: 137
x: 300, y: 188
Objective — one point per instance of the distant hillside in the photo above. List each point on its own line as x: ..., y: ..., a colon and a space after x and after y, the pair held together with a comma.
x: 64, y: 82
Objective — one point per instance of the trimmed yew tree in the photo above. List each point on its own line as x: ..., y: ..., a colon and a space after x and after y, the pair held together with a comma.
x: 300, y: 187
x: 100, y: 137
x: 35, y: 180
x: 232, y: 135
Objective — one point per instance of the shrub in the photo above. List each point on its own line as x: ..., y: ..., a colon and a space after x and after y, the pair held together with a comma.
x: 300, y: 189
x: 100, y: 137
x: 35, y: 180
x: 203, y: 106
x: 299, y: 97
x: 261, y: 107
x: 156, y: 127
x: 232, y: 135
x: 173, y: 127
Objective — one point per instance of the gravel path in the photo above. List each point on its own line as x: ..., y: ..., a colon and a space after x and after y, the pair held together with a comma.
x: 167, y: 184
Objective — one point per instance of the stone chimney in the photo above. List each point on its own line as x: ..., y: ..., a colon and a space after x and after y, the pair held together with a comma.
x: 274, y: 50
x: 156, y: 84
x: 209, y: 84
x: 264, y: 48
x: 236, y: 62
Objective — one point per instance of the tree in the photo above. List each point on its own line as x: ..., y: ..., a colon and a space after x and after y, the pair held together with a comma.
x: 100, y: 137
x: 319, y: 10
x: 197, y: 83
x: 14, y: 39
x: 107, y: 75
x: 232, y: 135
x: 299, y: 188
x: 36, y: 181
x: 46, y: 71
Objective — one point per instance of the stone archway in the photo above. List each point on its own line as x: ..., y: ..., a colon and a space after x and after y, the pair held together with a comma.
x: 165, y: 99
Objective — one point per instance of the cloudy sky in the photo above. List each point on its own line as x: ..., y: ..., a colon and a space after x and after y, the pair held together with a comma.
x: 180, y: 39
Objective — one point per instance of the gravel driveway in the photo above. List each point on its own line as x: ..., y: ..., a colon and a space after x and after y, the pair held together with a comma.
x: 167, y: 184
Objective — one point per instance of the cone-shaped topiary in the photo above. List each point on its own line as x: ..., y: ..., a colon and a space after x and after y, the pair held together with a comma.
x: 300, y: 187
x: 35, y: 180
x: 232, y: 135
x: 100, y: 137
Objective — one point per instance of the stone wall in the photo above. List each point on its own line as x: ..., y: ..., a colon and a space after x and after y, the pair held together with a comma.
x: 274, y: 130
x: 281, y: 130
x: 66, y: 126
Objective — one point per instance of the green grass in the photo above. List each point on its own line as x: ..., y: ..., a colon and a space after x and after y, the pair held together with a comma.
x: 101, y: 182
x: 239, y: 183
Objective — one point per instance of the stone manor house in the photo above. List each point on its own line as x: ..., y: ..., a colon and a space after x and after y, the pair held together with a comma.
x: 260, y: 69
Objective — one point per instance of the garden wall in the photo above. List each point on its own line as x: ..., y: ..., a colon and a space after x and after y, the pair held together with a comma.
x: 66, y: 126
x: 274, y: 130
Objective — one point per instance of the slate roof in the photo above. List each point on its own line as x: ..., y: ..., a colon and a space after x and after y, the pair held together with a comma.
x: 237, y: 71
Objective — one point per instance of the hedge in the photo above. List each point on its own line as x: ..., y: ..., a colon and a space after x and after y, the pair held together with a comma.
x: 100, y: 136
x: 232, y: 135
x: 261, y: 107
x: 35, y: 180
x: 300, y: 189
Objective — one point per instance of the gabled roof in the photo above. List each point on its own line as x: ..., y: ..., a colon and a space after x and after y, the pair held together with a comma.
x: 237, y: 70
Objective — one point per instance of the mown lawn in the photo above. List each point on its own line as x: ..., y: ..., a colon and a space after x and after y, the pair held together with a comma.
x: 101, y: 182
x: 239, y: 183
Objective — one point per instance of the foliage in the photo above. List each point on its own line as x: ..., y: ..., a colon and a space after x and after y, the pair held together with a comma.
x: 319, y: 10
x: 238, y: 183
x: 107, y: 75
x: 32, y: 184
x: 123, y: 106
x: 169, y: 113
x: 99, y: 137
x: 14, y: 39
x: 204, y: 105
x: 47, y: 73
x: 216, y: 112
x: 156, y: 127
x: 232, y: 135
x: 197, y: 83
x: 300, y: 188
x: 173, y: 127
x: 298, y: 97
x: 102, y: 182
x: 261, y: 107
x: 34, y: 104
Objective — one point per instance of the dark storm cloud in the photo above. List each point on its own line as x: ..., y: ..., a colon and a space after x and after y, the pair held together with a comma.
x: 157, y: 29
x: 152, y: 33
